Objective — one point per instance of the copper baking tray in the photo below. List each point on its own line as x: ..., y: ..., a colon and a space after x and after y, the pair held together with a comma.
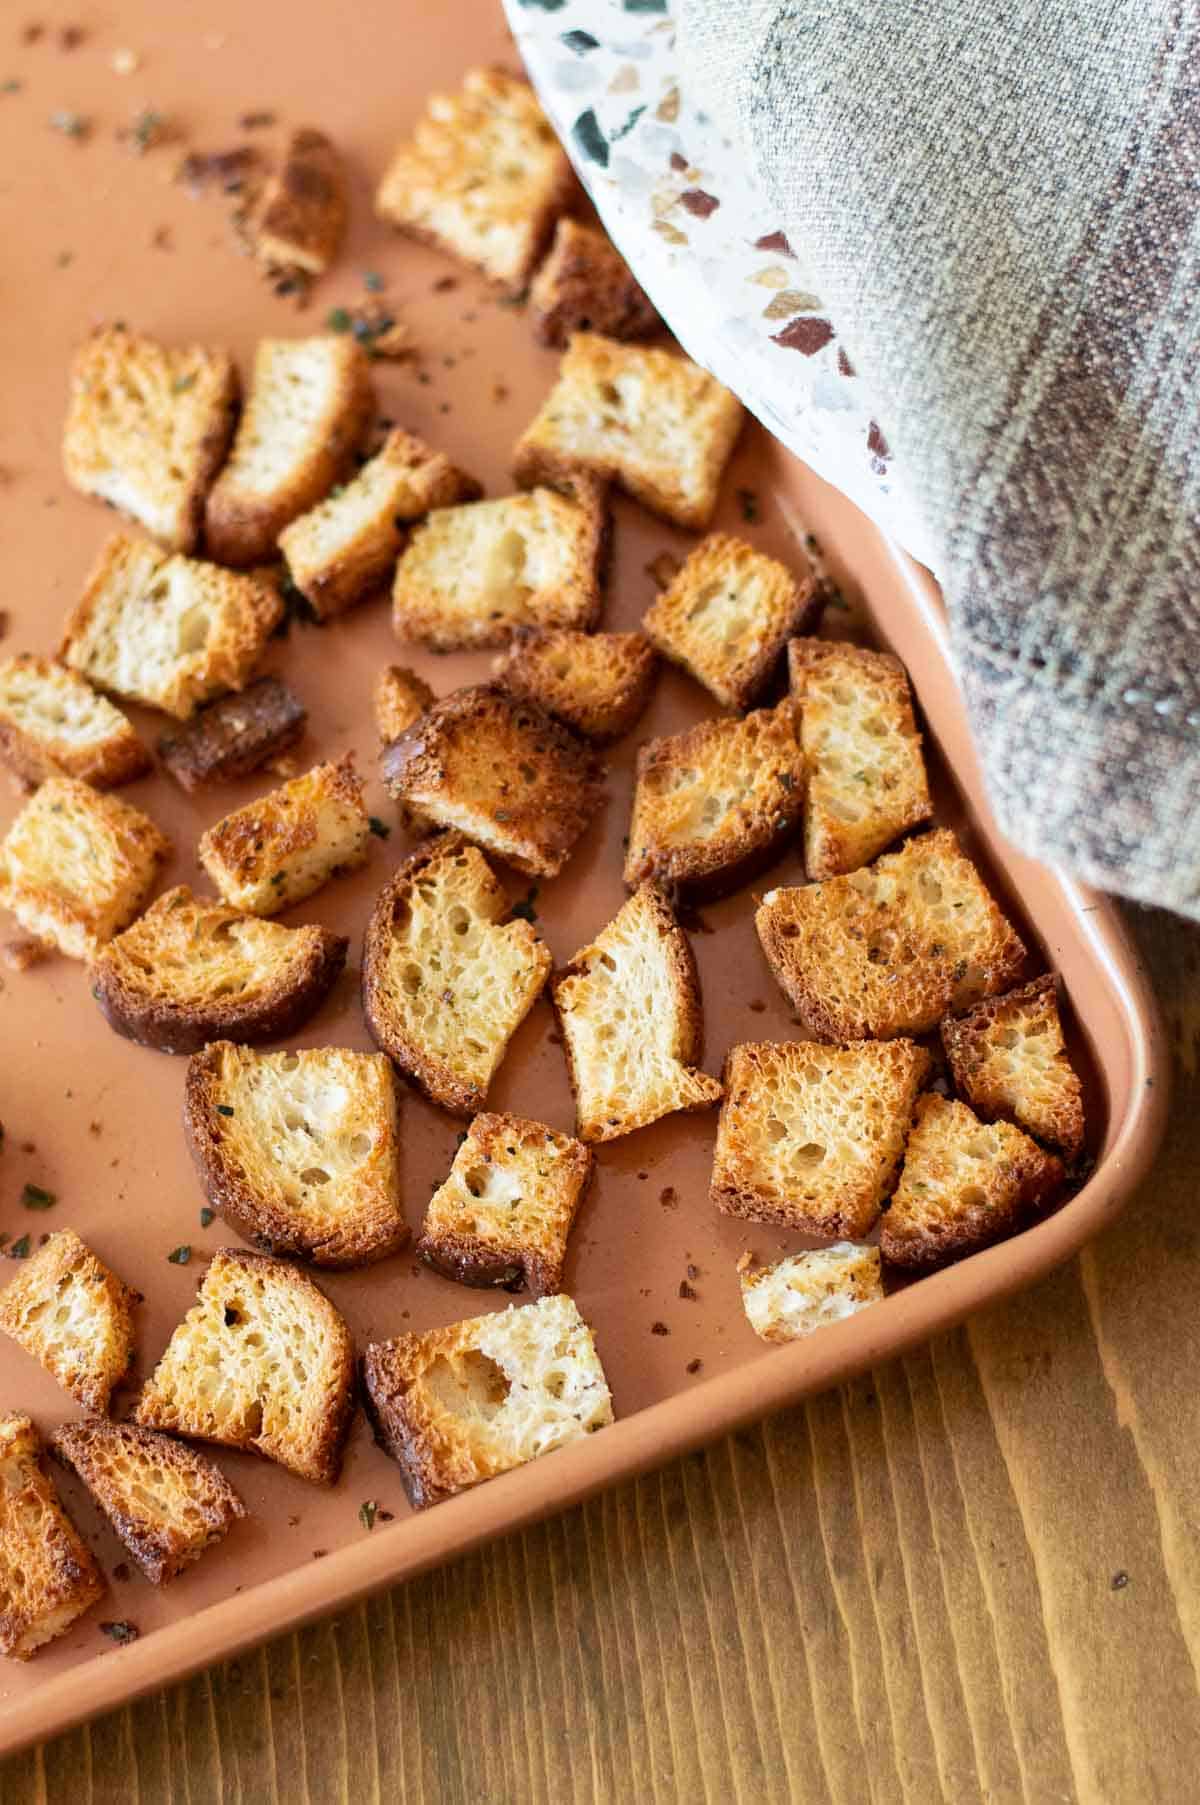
x: 98, y: 232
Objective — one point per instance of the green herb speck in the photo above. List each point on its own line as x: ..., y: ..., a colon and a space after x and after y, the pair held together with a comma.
x: 366, y: 1513
x: 121, y: 1631
x: 379, y: 828
x: 207, y: 1216
x: 223, y: 1109
x: 524, y: 910
x: 19, y: 1249
x: 338, y: 319
x: 179, y: 1256
x: 35, y: 1198
x: 372, y: 281
x: 183, y: 383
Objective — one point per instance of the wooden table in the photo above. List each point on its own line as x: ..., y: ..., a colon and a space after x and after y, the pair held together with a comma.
x: 973, y: 1576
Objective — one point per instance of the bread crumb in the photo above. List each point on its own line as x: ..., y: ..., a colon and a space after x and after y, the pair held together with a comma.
x: 659, y: 1328
x: 19, y: 955
x: 125, y: 62
x: 744, y: 1260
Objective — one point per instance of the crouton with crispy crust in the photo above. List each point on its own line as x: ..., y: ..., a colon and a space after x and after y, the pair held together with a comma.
x: 48, y: 1576
x: 279, y: 849
x: 73, y: 1315
x: 597, y: 683
x: 53, y: 724
x: 1009, y: 1060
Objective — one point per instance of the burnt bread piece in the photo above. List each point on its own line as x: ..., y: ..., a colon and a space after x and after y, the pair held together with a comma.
x: 236, y: 736
x: 75, y: 1316
x: 48, y: 1576
x: 585, y: 285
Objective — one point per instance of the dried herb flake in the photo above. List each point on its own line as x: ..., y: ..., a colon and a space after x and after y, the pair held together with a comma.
x: 120, y: 1631
x: 207, y: 1216
x: 367, y: 1512
x: 179, y: 1256
x: 379, y: 828
x: 19, y: 1249
x: 33, y: 1197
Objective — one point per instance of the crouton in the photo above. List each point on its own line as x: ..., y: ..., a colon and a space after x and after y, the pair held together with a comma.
x: 280, y: 848
x: 471, y: 576
x: 236, y: 736
x: 811, y: 1137
x: 73, y: 1315
x: 458, y: 1405
x: 866, y: 774
x: 597, y: 683
x: 629, y: 1010
x: 965, y: 1184
x: 344, y: 549
x: 447, y: 977
x: 727, y: 615
x: 585, y: 284
x: 716, y: 804
x: 808, y: 1291
x: 165, y: 1502
x: 501, y: 772
x: 892, y: 948
x: 400, y: 697
x: 170, y: 632
x: 76, y: 866
x: 148, y: 428
x: 645, y: 418
x: 482, y: 177
x: 48, y: 1577
x: 505, y: 1209
x: 263, y: 1362
x: 298, y: 220
x: 53, y: 724
x: 307, y: 413
x: 191, y: 970
x: 298, y: 1151
x: 1009, y: 1060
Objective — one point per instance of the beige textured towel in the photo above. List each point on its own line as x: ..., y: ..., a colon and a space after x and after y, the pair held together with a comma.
x: 999, y: 203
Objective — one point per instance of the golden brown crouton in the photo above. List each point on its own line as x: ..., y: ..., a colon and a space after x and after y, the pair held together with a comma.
x: 645, y: 418
x: 400, y: 697
x: 597, y: 683
x: 808, y: 1291
x: 893, y: 947
x: 458, y: 1405
x: 236, y: 736
x: 483, y: 177
x: 279, y: 849
x: 48, y: 1577
x: 70, y: 1312
x: 1009, y: 1059
x: 586, y: 285
x: 53, y: 724
x: 298, y: 220
x: 262, y: 1361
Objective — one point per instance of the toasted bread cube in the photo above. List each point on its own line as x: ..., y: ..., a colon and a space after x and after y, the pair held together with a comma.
x: 808, y: 1291
x: 459, y: 1405
x: 866, y: 774
x: 236, y: 736
x: 482, y: 177
x: 170, y: 632
x: 501, y: 772
x: 597, y: 683
x: 892, y: 948
x: 716, y: 804
x: 263, y: 1362
x: 400, y: 697
x: 191, y: 970
x: 48, y: 1577
x: 299, y: 219
x: 811, y: 1137
x: 648, y: 419
x: 279, y: 849
x: 309, y: 406
x: 727, y: 615
x: 471, y: 576
x: 629, y: 1009
x: 76, y: 866
x: 165, y: 1502
x: 965, y: 1184
x: 504, y: 1212
x: 447, y: 977
x: 53, y: 724
x: 70, y: 1312
x: 1009, y: 1060
x: 148, y: 427
x: 585, y: 284
x: 344, y: 549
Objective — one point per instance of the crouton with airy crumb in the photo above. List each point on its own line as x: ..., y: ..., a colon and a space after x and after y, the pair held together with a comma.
x: 648, y: 419
x: 586, y: 285
x: 262, y: 1362
x: 892, y: 948
x: 74, y: 1316
x: 48, y: 1576
x: 287, y: 844
x: 596, y: 683
x: 727, y: 615
x: 811, y: 1137
x: 808, y: 1291
x: 53, y: 724
x: 236, y: 736
x: 399, y: 698
x: 965, y: 1185
x: 307, y: 413
x: 483, y: 177
x: 148, y: 427
x: 76, y: 866
x: 192, y: 970
x: 447, y: 976
x: 716, y: 804
x: 346, y: 547
x: 629, y: 1011
x: 866, y: 774
x: 499, y: 771
x: 459, y: 1405
x: 299, y: 218
x: 169, y: 631
x: 165, y: 1502
x: 1009, y: 1060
